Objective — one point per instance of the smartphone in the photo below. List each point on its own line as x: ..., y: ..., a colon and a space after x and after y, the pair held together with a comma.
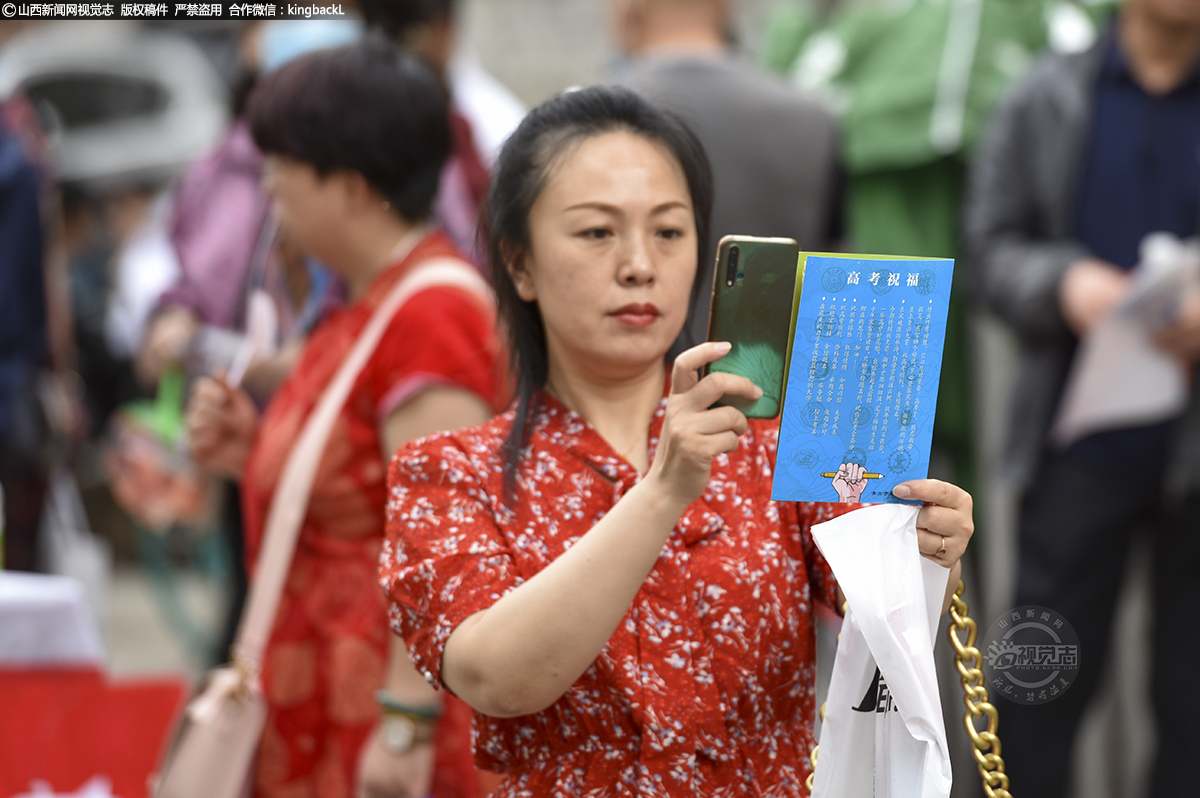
x: 754, y: 283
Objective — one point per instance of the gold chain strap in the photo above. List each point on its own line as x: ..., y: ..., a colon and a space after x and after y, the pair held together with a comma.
x: 969, y: 662
x: 813, y: 756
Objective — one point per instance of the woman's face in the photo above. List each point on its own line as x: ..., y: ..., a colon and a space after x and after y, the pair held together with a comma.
x: 306, y: 205
x: 612, y: 256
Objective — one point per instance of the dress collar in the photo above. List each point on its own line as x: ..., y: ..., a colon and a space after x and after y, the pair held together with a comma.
x: 565, y: 427
x: 408, y: 252
x: 557, y: 423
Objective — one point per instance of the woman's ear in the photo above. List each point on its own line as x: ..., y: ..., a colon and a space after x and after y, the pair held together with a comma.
x: 516, y: 264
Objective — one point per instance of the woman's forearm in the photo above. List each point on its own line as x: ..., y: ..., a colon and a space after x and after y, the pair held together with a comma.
x: 522, y: 654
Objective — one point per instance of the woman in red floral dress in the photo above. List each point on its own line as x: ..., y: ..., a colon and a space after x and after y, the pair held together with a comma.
x: 355, y: 139
x: 599, y: 572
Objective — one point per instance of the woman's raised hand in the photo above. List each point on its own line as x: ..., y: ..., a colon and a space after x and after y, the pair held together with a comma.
x: 694, y: 432
x: 945, y: 523
x: 221, y: 422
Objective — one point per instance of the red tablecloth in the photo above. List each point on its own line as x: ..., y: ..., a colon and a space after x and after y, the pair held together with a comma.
x: 65, y: 726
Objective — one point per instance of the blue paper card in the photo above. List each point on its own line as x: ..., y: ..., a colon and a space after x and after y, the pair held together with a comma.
x: 862, y: 385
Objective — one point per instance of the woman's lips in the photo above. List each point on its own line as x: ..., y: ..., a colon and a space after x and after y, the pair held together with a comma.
x: 636, y: 315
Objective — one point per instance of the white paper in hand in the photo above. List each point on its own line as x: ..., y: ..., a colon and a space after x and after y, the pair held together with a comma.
x: 1120, y: 377
x: 262, y: 326
x: 883, y: 735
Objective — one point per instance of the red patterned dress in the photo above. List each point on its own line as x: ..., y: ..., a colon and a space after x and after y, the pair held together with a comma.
x: 328, y: 652
x: 705, y: 689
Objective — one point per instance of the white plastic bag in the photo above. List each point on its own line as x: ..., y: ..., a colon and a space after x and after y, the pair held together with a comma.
x: 883, y: 735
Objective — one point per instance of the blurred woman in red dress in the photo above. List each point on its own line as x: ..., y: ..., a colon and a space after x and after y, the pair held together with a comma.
x: 355, y: 140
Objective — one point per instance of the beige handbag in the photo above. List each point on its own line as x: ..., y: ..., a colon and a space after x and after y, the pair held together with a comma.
x: 215, y: 742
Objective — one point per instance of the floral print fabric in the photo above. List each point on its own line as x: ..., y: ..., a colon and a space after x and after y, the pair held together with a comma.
x: 706, y: 688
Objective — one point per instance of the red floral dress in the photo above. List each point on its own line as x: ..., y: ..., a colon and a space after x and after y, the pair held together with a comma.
x: 328, y: 652
x: 707, y: 686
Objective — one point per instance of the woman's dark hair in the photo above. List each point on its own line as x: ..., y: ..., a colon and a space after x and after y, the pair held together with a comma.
x: 540, y: 143
x: 367, y: 107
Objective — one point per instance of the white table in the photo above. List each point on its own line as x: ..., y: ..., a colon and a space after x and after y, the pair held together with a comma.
x: 45, y: 620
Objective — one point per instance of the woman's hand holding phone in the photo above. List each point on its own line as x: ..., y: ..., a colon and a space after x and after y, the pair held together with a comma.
x: 694, y: 431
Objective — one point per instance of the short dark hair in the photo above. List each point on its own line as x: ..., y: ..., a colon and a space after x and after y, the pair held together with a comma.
x: 367, y: 107
x: 542, y: 139
x: 395, y: 18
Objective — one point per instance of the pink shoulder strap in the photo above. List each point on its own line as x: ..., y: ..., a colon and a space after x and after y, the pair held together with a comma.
x: 289, y: 504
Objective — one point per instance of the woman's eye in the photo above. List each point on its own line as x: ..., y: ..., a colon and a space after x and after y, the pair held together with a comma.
x: 671, y: 233
x: 597, y: 233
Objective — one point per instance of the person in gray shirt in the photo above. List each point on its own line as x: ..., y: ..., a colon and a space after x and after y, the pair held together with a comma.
x: 773, y: 150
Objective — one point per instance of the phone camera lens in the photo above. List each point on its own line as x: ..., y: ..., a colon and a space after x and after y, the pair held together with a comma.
x: 731, y: 270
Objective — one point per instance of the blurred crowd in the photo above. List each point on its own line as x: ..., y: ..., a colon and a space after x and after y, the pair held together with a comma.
x: 193, y: 218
